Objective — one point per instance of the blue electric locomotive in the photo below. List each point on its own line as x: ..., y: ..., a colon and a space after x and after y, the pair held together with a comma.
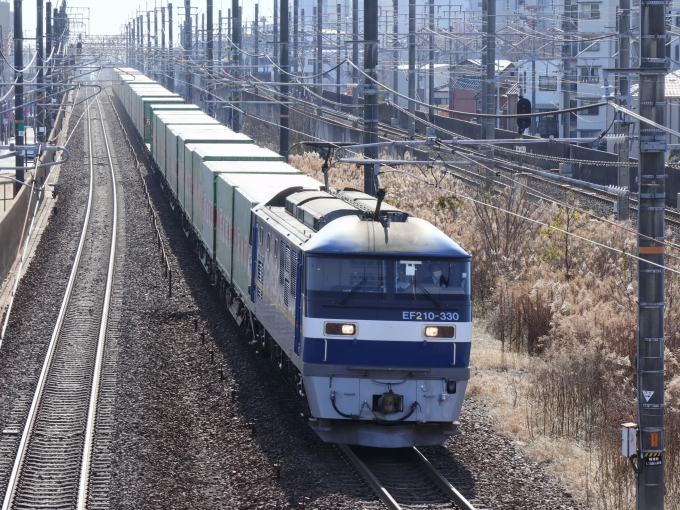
x: 366, y: 308
x: 373, y: 317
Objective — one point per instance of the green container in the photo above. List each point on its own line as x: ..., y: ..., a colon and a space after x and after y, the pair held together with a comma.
x: 237, y: 194
x: 160, y: 121
x: 206, y: 216
x: 180, y: 136
x: 195, y: 154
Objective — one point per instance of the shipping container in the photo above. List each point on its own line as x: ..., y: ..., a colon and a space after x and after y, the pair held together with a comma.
x: 179, y: 136
x: 208, y: 199
x: 237, y: 194
x: 195, y: 154
x: 160, y: 121
x: 142, y: 99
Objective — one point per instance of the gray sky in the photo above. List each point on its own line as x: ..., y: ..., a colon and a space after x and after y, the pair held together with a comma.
x: 107, y: 16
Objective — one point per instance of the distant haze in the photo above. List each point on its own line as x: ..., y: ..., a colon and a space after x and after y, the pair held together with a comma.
x: 108, y: 16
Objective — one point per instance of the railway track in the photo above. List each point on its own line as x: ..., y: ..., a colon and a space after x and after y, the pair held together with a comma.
x: 474, y: 179
x: 405, y: 480
x: 52, y: 464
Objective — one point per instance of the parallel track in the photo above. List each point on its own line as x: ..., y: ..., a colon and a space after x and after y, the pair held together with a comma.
x: 52, y: 464
x: 475, y: 180
x: 404, y: 479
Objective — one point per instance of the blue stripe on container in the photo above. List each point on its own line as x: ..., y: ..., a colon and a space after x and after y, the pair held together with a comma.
x: 385, y: 353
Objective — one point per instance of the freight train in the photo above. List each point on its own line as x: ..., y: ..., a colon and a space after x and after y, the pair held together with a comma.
x: 364, y: 307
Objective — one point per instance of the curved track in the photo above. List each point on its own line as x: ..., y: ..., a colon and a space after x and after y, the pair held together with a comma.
x: 404, y: 479
x: 52, y: 465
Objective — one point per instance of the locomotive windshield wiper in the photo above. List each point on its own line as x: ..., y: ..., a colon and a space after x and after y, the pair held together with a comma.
x: 353, y: 291
x: 429, y: 296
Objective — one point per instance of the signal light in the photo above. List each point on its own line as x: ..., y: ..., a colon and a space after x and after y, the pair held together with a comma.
x: 523, y: 108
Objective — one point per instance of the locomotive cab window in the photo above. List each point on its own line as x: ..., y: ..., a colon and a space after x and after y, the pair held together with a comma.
x: 379, y: 282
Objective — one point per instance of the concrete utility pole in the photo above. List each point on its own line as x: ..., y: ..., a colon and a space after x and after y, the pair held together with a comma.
x: 40, y: 92
x: 489, y: 76
x: 412, y: 78
x: 652, y: 195
x: 133, y: 47
x: 19, y: 93
x: 430, y: 91
x: 283, y: 112
x: 623, y: 210
x: 171, y: 67
x: 370, y: 93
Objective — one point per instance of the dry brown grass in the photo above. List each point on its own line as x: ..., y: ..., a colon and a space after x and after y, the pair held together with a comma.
x: 554, y: 338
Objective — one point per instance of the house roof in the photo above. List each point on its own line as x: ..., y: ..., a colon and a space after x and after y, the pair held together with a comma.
x: 672, y: 86
x: 467, y: 84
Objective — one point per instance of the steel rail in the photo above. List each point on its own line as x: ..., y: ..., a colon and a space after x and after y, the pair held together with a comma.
x: 443, y: 484
x: 370, y: 478
x: 430, y: 471
x: 42, y: 385
x: 92, y: 411
x: 14, y: 476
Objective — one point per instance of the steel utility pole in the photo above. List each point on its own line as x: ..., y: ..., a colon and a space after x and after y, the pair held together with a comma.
x: 283, y: 112
x: 236, y: 63
x: 623, y: 210
x: 19, y: 93
x: 154, y: 60
x: 338, y: 10
x: 395, y: 45
x: 355, y: 59
x: 48, y: 78
x: 40, y: 92
x: 412, y: 78
x: 319, y: 52
x: 370, y: 93
x: 652, y: 195
x: 187, y: 48
x: 164, y: 56
x: 430, y: 91
x: 296, y: 49
x: 567, y: 27
x: 256, y: 35
x: 171, y: 56
x: 489, y: 77
x: 275, y: 40
x: 209, y: 57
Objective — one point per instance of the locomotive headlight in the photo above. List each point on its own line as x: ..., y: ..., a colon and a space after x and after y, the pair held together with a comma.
x: 338, y: 328
x: 439, y: 331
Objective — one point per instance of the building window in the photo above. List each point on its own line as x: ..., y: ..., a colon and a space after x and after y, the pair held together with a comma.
x: 589, y: 46
x: 595, y: 110
x: 589, y: 133
x: 590, y: 11
x: 547, y: 83
x: 589, y: 75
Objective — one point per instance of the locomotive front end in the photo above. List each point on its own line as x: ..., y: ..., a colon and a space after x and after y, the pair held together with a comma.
x: 386, y: 332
